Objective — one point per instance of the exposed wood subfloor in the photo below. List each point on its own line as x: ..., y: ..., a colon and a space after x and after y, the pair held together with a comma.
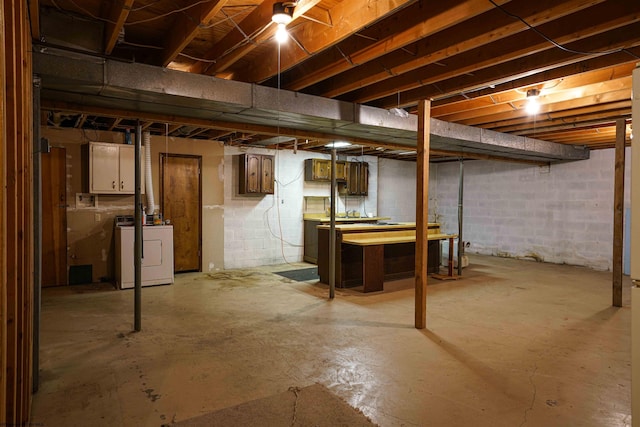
x: 514, y: 343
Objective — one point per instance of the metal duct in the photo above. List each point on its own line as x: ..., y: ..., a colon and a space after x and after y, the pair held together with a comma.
x: 104, y: 83
x: 151, y: 204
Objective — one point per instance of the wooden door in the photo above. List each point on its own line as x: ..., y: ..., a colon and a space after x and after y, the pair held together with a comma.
x: 181, y: 203
x: 54, y: 218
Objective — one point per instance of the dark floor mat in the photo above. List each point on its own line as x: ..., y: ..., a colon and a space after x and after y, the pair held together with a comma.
x: 300, y: 275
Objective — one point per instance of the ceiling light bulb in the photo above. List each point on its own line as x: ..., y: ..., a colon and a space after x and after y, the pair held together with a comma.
x: 533, y: 106
x: 338, y: 144
x: 282, y: 35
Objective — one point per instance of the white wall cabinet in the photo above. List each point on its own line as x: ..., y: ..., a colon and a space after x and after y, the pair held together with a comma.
x: 112, y: 168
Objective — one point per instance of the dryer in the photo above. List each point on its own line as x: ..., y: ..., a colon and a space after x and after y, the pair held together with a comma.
x: 157, y: 255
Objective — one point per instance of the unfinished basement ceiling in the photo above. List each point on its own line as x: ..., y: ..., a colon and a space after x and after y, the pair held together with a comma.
x: 475, y: 59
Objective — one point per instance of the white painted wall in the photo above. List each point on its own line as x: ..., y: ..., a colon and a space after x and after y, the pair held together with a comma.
x: 561, y: 214
x: 268, y: 229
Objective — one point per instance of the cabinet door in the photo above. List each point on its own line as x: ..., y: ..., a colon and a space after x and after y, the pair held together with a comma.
x: 127, y: 183
x: 267, y: 168
x: 127, y: 169
x: 104, y: 168
x: 357, y: 179
x: 249, y: 174
x: 353, y: 178
x: 363, y: 181
x: 341, y: 171
x: 321, y: 170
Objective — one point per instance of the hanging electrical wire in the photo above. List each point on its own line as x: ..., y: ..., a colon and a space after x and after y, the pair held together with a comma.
x: 171, y: 12
x: 558, y: 45
x: 212, y: 61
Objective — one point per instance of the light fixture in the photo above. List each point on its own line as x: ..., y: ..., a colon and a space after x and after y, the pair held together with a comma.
x: 338, y: 144
x: 532, y: 106
x: 282, y: 15
x: 399, y: 112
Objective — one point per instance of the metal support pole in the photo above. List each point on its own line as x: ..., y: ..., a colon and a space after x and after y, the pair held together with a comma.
x: 137, y: 241
x: 332, y: 229
x: 460, y: 203
x: 618, y: 213
x: 37, y: 233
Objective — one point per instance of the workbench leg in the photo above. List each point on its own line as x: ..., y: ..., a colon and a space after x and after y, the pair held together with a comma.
x: 373, y: 268
x: 450, y: 266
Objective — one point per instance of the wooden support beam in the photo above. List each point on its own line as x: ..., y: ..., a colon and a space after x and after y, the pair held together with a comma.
x: 117, y: 16
x: 422, y: 213
x: 480, y: 30
x: 212, y: 124
x: 256, y: 28
x: 618, y: 212
x: 359, y: 15
x: 115, y: 123
x: 34, y: 15
x: 186, y: 28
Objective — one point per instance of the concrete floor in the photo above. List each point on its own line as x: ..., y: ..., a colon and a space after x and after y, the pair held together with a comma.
x: 514, y: 343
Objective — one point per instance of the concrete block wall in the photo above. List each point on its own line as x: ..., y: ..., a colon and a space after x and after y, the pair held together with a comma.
x: 559, y: 214
x: 268, y: 229
x: 397, y: 190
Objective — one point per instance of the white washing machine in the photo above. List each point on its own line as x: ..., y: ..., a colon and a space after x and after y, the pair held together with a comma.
x: 157, y: 255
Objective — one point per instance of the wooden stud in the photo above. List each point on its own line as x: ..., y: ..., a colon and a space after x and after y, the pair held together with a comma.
x: 4, y: 249
x: 117, y: 14
x: 34, y: 13
x: 186, y: 28
x: 11, y: 218
x: 359, y: 14
x: 618, y: 212
x: 16, y: 291
x: 230, y: 49
x: 422, y: 213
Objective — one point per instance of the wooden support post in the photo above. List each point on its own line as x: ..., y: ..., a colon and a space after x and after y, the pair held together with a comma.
x: 618, y: 212
x: 16, y: 213
x: 5, y: 247
x: 422, y: 212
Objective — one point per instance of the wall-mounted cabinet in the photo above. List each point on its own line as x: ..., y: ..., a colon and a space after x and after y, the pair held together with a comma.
x: 112, y: 168
x: 256, y: 174
x: 320, y: 170
x: 357, y: 183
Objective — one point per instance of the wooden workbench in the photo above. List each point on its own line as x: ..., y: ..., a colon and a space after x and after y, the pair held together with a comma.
x: 370, y: 254
x: 311, y: 223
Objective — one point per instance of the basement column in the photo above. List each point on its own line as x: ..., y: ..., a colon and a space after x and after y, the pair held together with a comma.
x: 618, y: 212
x: 635, y: 255
x: 137, y: 240
x: 37, y: 232
x: 332, y: 229
x: 422, y: 212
